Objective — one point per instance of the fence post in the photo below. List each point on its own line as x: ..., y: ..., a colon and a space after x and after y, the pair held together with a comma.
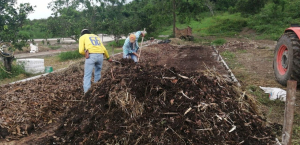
x: 289, y: 112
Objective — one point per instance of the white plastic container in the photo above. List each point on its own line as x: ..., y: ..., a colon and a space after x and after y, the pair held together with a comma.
x: 32, y: 65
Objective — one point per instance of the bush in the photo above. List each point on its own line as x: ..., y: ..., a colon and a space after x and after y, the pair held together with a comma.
x: 115, y: 44
x: 69, y: 55
x: 227, y: 24
x: 15, y: 71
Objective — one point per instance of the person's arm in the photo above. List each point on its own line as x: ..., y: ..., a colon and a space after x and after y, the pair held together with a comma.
x: 81, y: 45
x: 137, y: 35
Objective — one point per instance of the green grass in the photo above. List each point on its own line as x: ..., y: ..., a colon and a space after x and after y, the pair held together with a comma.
x: 16, y: 70
x: 115, y: 44
x: 219, y: 42
x: 296, y: 130
x: 228, y: 55
x: 221, y: 25
x: 55, y: 47
x: 70, y: 55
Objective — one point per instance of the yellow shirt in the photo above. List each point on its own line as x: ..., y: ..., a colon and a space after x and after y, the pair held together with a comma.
x: 92, y: 43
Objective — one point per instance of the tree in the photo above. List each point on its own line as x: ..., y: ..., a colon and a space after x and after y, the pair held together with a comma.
x: 12, y: 21
x: 250, y: 7
x: 210, y: 5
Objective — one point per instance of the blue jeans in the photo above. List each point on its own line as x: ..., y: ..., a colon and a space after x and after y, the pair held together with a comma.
x: 95, y: 61
x: 133, y: 57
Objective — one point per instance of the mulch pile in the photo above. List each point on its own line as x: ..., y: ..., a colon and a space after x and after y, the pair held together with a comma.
x: 34, y: 104
x: 157, y: 105
x: 133, y: 104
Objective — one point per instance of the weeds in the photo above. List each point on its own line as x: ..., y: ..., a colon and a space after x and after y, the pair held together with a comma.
x: 116, y: 44
x: 55, y: 47
x: 16, y: 70
x: 219, y: 42
x: 69, y: 55
x: 228, y: 55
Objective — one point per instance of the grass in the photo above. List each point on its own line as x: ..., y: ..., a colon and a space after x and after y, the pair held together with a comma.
x: 16, y: 70
x: 55, y: 47
x: 221, y: 25
x: 228, y: 55
x: 296, y: 130
x: 70, y: 55
x: 219, y: 41
x: 115, y: 44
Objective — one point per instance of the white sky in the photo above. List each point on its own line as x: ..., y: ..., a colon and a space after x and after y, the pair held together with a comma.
x: 40, y: 11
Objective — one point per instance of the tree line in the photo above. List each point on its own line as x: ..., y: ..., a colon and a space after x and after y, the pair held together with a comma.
x: 118, y: 17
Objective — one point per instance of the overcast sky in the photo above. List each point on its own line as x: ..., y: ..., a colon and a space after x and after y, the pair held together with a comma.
x: 40, y: 11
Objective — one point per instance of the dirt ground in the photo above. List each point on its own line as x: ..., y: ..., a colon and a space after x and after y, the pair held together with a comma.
x: 252, y: 66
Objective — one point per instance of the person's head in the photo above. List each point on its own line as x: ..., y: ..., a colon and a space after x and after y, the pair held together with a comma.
x: 132, y: 38
x: 85, y: 31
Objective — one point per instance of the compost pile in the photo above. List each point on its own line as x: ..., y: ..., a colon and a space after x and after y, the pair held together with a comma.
x: 153, y: 104
x: 30, y: 106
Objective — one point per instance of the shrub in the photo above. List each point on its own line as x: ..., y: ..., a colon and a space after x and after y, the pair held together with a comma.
x: 227, y: 24
x: 15, y: 71
x: 69, y: 55
x: 115, y: 44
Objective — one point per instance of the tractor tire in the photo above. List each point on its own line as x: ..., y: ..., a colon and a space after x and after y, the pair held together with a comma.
x: 286, y: 62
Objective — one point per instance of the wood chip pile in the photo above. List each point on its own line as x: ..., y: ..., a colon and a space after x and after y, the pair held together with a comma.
x: 157, y: 105
x: 31, y: 105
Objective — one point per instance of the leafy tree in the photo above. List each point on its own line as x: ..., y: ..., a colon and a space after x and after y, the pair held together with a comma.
x: 223, y: 5
x: 250, y: 7
x: 12, y: 21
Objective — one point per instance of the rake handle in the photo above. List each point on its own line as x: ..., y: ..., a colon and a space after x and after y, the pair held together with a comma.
x: 141, y: 46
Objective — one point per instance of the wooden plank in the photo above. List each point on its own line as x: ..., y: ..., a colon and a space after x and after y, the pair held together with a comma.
x: 289, y: 112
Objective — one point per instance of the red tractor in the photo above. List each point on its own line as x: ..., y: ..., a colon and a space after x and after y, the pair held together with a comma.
x: 286, y: 62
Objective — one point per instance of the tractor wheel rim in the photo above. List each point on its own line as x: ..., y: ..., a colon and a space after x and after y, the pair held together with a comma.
x: 282, y: 60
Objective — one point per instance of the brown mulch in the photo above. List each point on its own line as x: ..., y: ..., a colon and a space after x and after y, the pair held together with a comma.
x: 149, y: 103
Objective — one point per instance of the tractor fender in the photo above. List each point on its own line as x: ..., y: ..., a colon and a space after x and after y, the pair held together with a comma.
x: 296, y: 30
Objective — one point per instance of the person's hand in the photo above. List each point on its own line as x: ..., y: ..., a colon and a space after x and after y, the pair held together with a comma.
x: 109, y: 60
x: 136, y: 55
x: 143, y: 35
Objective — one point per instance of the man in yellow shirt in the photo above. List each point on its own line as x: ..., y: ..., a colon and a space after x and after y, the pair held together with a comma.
x: 96, y: 49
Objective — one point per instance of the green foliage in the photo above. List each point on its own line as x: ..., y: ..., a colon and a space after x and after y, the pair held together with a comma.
x: 219, y: 42
x: 270, y: 21
x: 15, y: 71
x: 11, y: 21
x: 119, y: 43
x: 70, y: 55
x: 224, y: 5
x: 250, y: 7
x: 227, y: 25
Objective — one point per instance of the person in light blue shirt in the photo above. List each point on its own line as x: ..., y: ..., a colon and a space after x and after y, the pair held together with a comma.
x: 131, y: 46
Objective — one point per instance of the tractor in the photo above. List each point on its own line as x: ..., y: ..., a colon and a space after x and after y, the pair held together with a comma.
x: 286, y: 62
